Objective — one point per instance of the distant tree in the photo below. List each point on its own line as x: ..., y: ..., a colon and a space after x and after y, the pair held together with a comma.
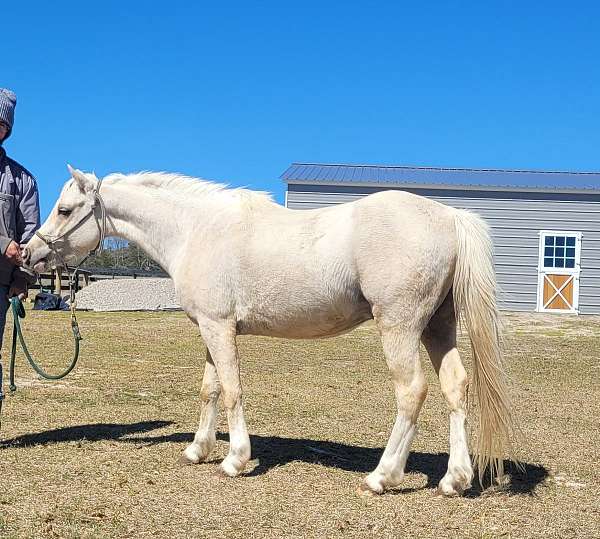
x: 120, y: 254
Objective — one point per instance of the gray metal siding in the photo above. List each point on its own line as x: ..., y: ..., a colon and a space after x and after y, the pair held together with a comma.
x: 515, y: 222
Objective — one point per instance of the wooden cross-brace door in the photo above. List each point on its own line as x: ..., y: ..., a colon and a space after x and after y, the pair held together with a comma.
x: 558, y: 292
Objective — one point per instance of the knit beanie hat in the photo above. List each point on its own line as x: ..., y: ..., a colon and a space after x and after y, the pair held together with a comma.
x: 8, y: 102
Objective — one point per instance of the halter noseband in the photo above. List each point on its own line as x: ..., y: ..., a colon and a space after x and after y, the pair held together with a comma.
x: 50, y: 242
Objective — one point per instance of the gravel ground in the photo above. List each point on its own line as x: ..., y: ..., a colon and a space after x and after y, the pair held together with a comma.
x: 128, y: 295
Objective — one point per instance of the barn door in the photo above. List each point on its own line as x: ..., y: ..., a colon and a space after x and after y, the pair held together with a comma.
x: 558, y: 272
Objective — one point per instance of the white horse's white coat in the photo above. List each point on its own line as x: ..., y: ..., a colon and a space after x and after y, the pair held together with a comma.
x: 242, y: 264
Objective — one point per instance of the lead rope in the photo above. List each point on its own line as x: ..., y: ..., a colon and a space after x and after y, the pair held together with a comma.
x: 17, y: 335
x: 18, y: 313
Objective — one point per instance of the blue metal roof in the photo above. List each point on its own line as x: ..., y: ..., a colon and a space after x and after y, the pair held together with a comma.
x: 441, y: 177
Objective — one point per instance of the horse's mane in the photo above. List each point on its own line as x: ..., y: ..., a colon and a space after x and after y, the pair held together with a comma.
x: 187, y: 186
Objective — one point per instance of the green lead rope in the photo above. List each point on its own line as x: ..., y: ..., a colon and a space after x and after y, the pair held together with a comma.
x: 19, y: 312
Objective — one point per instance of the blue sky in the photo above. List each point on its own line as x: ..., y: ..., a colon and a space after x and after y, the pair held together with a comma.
x: 236, y: 91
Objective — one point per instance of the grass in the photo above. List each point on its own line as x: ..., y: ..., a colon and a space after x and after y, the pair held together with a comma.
x: 95, y: 455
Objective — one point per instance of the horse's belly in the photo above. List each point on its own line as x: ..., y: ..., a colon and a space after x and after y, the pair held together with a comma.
x: 292, y: 323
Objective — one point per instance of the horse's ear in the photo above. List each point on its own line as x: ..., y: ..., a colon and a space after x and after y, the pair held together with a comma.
x: 83, y: 181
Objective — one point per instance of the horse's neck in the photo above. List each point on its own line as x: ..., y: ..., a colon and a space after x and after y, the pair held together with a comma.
x: 156, y: 225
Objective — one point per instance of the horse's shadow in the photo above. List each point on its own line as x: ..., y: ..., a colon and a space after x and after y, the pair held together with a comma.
x: 273, y: 451
x: 94, y: 432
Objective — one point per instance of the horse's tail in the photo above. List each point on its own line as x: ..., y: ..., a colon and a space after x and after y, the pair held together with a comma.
x: 474, y: 290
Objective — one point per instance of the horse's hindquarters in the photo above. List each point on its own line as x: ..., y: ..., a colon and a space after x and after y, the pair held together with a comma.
x: 405, y: 255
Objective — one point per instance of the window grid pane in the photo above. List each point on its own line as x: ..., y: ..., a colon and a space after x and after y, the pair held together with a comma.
x: 559, y: 251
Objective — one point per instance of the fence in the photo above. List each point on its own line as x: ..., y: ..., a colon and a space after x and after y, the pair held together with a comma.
x: 58, y: 280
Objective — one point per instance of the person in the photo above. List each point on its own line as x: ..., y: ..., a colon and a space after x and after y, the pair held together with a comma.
x: 20, y: 210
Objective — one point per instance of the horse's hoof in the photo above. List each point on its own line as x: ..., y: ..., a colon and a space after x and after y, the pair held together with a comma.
x: 448, y: 491
x: 451, y: 487
x: 185, y: 461
x: 221, y: 473
x: 366, y: 491
x: 232, y: 466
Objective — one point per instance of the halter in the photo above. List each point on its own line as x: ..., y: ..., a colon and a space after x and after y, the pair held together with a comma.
x: 98, y: 201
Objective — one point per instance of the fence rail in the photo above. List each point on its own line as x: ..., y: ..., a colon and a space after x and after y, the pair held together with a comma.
x: 58, y: 280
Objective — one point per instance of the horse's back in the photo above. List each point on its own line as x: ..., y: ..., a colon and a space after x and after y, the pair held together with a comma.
x: 344, y: 247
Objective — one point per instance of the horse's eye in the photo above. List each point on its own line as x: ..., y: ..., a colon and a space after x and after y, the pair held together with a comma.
x: 64, y: 211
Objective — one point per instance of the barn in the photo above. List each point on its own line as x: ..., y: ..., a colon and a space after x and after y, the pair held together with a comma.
x: 545, y: 225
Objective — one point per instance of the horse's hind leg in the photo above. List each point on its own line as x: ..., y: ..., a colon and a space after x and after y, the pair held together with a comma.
x: 401, y: 349
x: 205, y: 439
x: 439, y: 339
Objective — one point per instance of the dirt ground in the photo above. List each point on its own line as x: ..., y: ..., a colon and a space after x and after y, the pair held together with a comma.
x: 96, y: 455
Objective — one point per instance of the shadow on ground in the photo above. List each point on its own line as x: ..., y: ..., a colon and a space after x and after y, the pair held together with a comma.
x: 92, y: 433
x: 272, y: 451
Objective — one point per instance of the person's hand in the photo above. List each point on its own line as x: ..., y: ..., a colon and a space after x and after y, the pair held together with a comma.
x: 18, y: 288
x: 13, y: 253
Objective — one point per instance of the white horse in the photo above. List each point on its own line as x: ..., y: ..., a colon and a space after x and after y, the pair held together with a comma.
x: 242, y: 264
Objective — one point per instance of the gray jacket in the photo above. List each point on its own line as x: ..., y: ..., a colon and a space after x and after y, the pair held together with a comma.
x: 19, y: 209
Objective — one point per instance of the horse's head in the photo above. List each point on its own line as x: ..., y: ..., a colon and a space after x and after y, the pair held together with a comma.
x: 73, y: 228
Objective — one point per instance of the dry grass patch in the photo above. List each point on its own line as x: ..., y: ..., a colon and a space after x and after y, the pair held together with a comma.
x: 95, y: 455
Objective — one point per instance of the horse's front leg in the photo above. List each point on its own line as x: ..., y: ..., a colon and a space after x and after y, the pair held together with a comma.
x: 220, y: 339
x: 205, y: 439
